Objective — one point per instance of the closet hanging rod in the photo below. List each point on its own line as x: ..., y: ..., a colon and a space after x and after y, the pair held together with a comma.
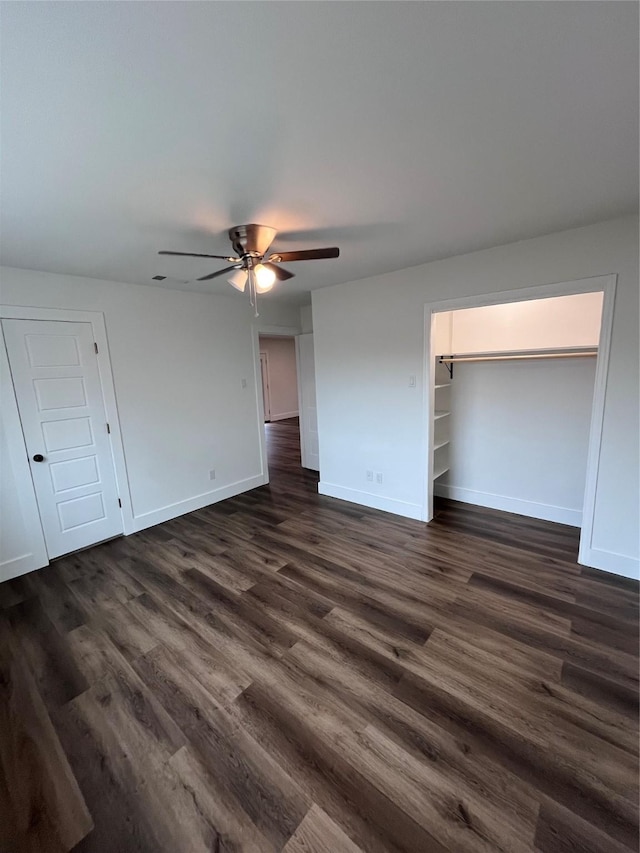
x: 443, y: 359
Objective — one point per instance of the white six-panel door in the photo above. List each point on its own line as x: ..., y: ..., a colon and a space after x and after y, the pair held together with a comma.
x: 59, y: 394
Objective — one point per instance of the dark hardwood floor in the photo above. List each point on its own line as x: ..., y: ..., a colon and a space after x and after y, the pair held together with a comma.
x: 287, y: 672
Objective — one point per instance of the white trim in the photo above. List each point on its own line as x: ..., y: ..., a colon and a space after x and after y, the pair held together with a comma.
x: 597, y: 421
x: 257, y: 382
x: 166, y: 513
x: 266, y: 392
x: 355, y: 496
x: 524, y: 294
x: 604, y: 283
x: 284, y: 416
x: 428, y: 413
x: 608, y: 561
x: 303, y: 439
x: 21, y: 565
x: 278, y: 331
x: 96, y: 318
x: 532, y: 509
x: 27, y: 312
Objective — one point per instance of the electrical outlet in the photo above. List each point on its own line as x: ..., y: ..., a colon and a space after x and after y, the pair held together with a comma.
x: 212, y: 474
x: 378, y: 476
x: 370, y: 476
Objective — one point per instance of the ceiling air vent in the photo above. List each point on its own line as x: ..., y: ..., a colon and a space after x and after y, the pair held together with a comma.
x: 159, y: 277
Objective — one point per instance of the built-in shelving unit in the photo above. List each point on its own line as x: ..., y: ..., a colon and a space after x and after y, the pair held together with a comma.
x: 438, y: 472
x: 440, y: 430
x: 519, y: 336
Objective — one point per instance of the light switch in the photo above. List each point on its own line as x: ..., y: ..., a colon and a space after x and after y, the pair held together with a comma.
x: 412, y: 381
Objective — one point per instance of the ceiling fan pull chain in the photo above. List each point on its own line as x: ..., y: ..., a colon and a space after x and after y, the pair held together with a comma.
x: 253, y: 293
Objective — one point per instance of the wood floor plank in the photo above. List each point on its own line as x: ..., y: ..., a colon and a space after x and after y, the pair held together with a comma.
x: 548, y: 633
x: 246, y: 776
x: 478, y: 782
x: 562, y: 831
x: 374, y: 821
x: 318, y: 833
x: 227, y: 826
x: 428, y: 798
x: 49, y: 813
x: 560, y: 777
x: 574, y: 720
x: 286, y: 672
x: 57, y: 677
x: 607, y: 692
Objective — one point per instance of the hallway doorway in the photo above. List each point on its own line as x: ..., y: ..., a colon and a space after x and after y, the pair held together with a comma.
x: 286, y: 473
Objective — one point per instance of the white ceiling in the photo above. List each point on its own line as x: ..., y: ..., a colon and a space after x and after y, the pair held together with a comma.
x: 402, y: 132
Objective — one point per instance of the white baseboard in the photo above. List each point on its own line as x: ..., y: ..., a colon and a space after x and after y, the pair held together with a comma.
x: 355, y: 496
x: 607, y: 561
x: 166, y: 513
x: 547, y: 512
x: 284, y: 416
x: 21, y: 565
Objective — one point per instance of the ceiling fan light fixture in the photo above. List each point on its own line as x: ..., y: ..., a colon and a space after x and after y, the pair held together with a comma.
x: 264, y: 277
x: 247, y: 272
x: 238, y: 280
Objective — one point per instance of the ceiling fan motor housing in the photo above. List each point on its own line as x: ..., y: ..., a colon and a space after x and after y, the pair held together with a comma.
x: 251, y: 239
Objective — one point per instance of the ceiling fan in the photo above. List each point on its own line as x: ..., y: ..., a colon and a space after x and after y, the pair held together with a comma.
x: 251, y: 244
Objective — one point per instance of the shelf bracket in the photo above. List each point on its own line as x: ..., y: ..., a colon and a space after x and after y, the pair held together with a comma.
x: 447, y: 364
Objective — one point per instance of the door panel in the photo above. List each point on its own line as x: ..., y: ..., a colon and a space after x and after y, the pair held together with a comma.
x: 51, y: 350
x: 74, y: 473
x: 66, y: 393
x: 307, y: 403
x: 59, y: 394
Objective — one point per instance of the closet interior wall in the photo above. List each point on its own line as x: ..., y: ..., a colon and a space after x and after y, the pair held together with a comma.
x: 513, y: 434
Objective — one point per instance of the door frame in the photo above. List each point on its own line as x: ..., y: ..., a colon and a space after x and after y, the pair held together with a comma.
x: 266, y: 393
x: 97, y: 321
x: 603, y: 283
x: 271, y: 332
x: 301, y: 413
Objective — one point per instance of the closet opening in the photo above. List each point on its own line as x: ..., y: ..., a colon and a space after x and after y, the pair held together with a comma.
x: 516, y: 400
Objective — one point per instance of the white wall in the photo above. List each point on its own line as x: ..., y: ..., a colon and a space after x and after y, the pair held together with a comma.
x: 369, y: 338
x: 283, y: 380
x: 519, y: 436
x: 306, y: 319
x: 556, y: 323
x: 276, y: 314
x: 178, y: 362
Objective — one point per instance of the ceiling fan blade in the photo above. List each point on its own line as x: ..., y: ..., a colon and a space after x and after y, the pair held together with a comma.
x: 305, y: 255
x: 280, y: 273
x: 224, y: 271
x: 196, y: 255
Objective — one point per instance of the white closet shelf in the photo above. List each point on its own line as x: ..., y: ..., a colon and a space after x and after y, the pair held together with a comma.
x: 440, y: 444
x: 439, y: 471
x: 443, y: 385
x: 440, y: 414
